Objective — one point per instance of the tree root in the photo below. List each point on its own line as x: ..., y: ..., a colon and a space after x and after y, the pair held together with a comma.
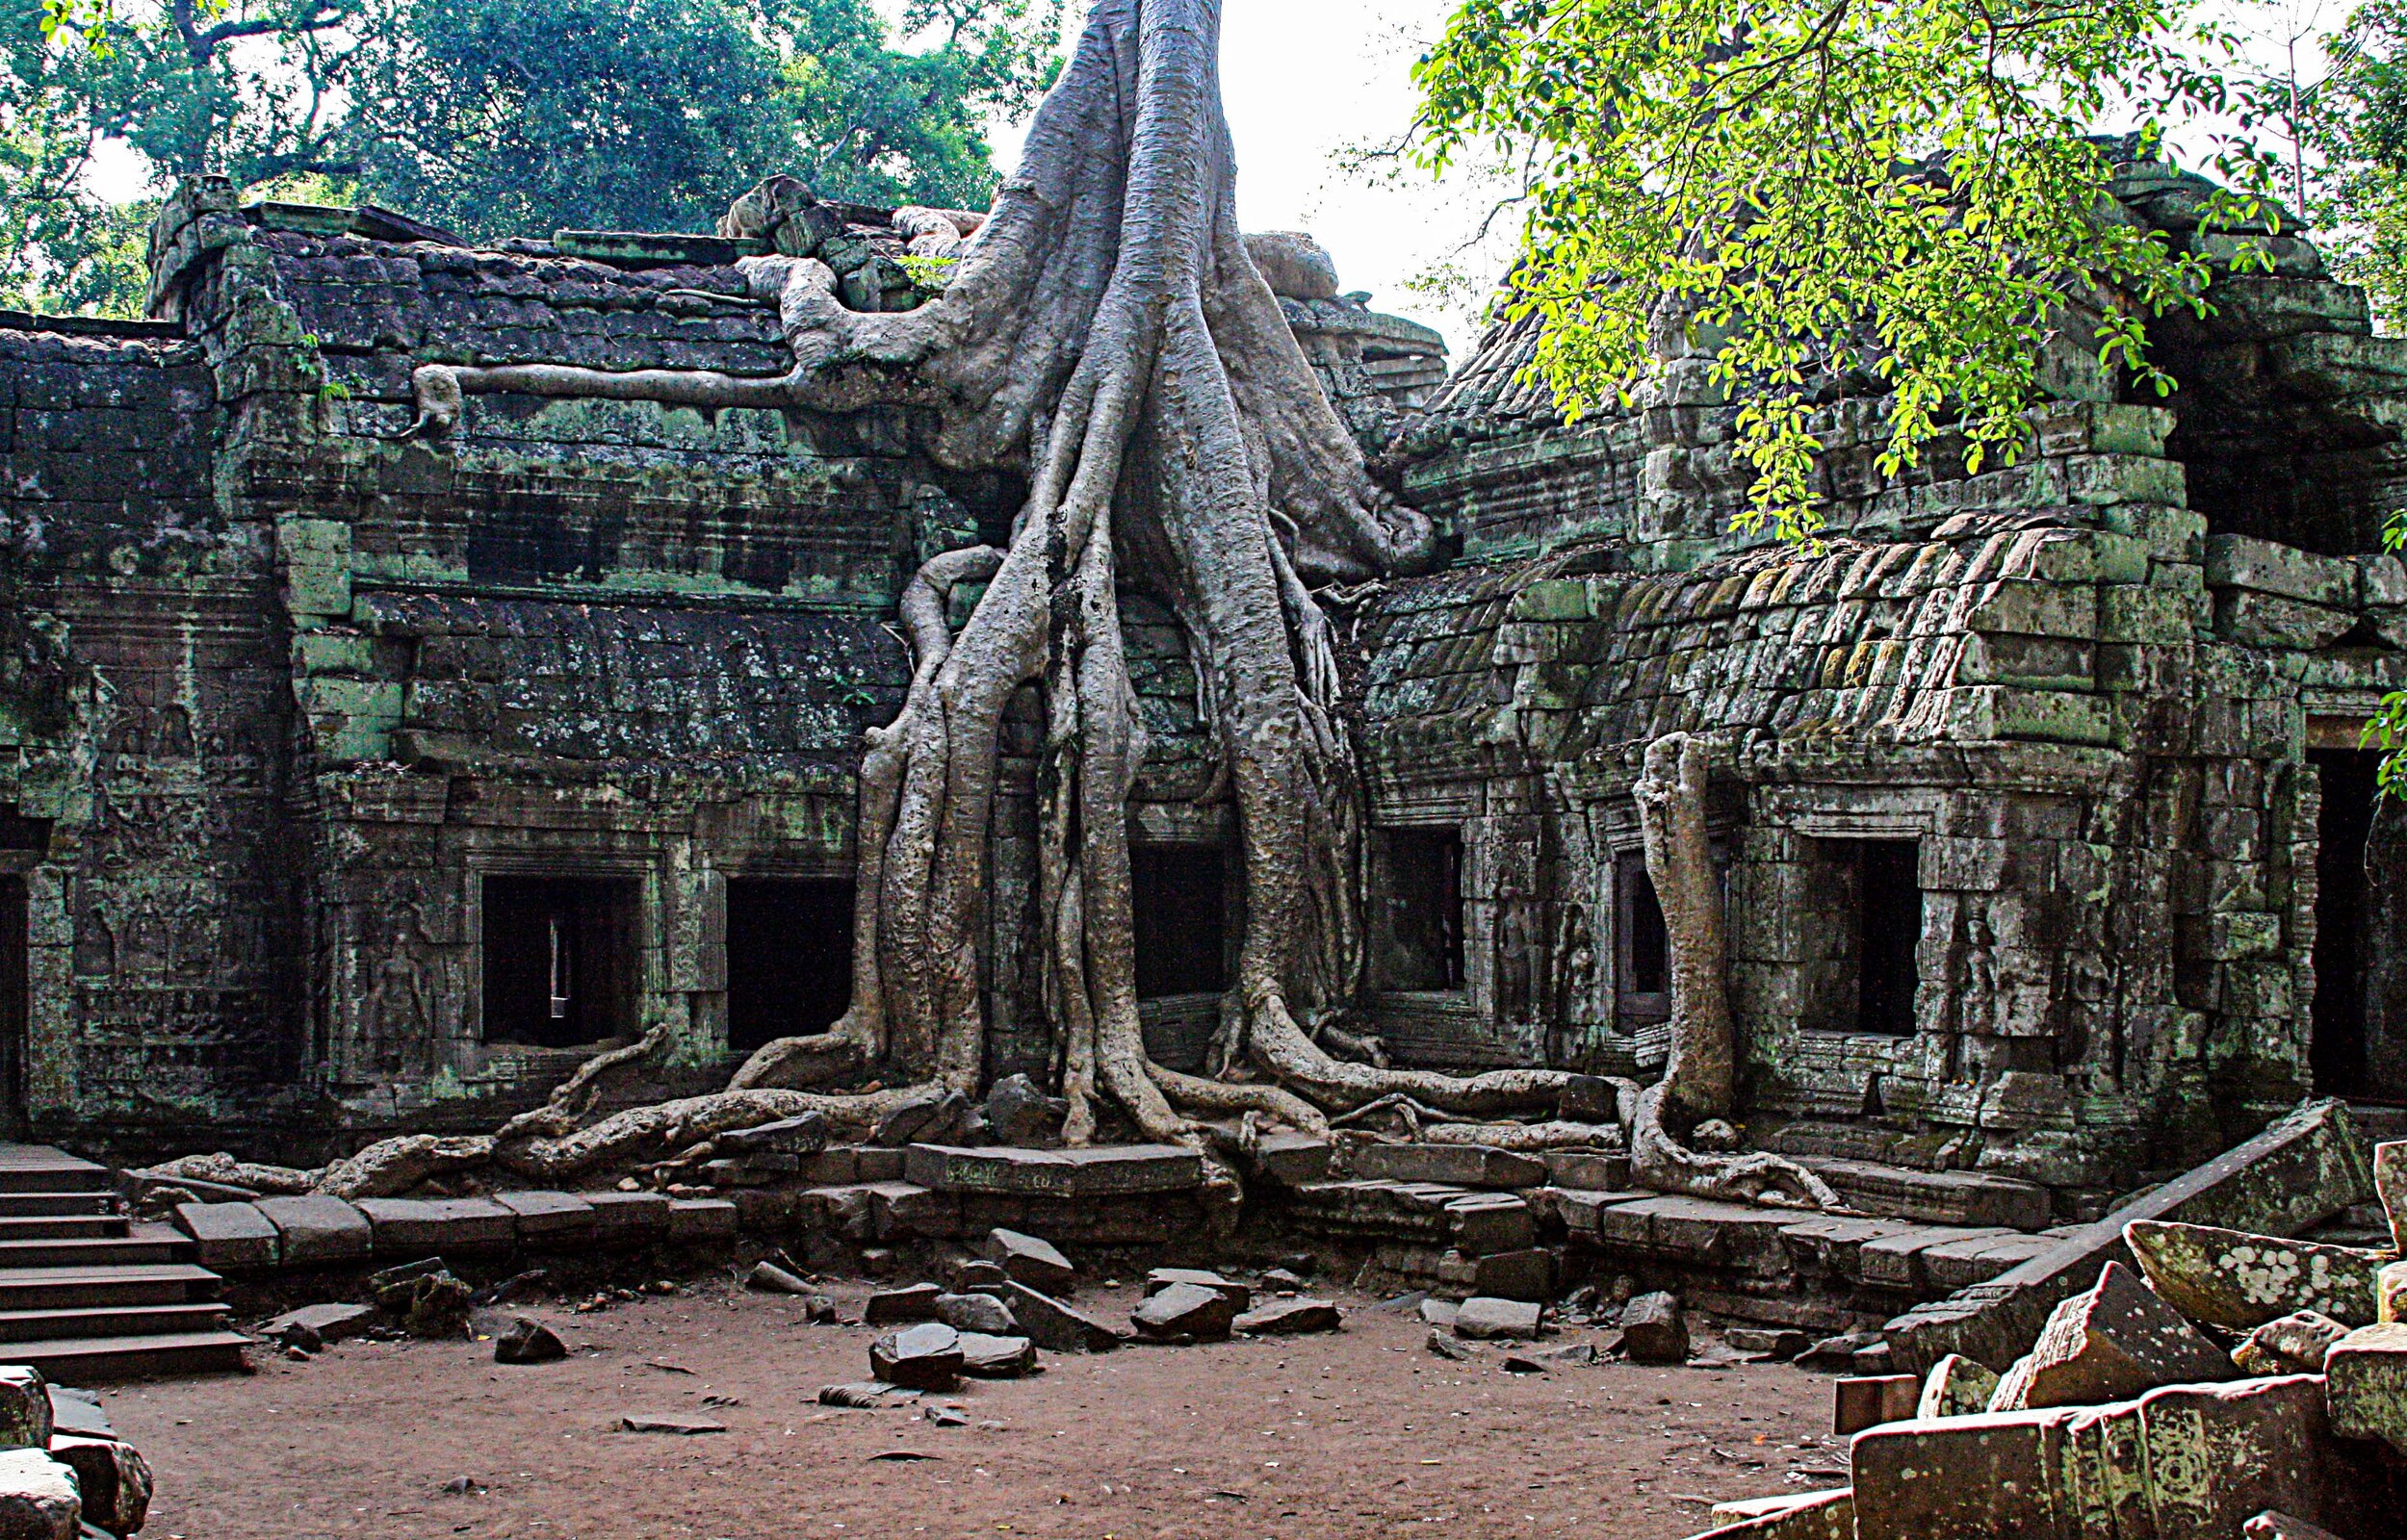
x: 393, y: 1166
x: 674, y: 1125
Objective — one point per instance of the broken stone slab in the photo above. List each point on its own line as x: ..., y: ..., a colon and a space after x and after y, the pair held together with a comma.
x: 529, y: 1341
x: 2389, y: 1292
x: 112, y: 1481
x: 228, y: 1235
x: 314, y: 1229
x: 2111, y: 1344
x: 1528, y: 1274
x: 1770, y: 1341
x: 411, y: 1226
x: 628, y: 1218
x: 1290, y: 1318
x: 2366, y: 1384
x: 1185, y: 1312
x: 1654, y: 1330
x: 677, y: 1423
x: 1956, y: 1386
x: 768, y: 1277
x: 78, y: 1411
x: 1018, y: 1113
x: 975, y: 1312
x: 2234, y: 1279
x: 1240, y: 1295
x: 931, y: 1115
x: 38, y: 1496
x: 926, y: 1356
x: 2294, y: 1345
x: 313, y: 1326
x: 1486, y: 1318
x: 1445, y: 1347
x: 25, y: 1420
x: 1462, y: 1164
x: 549, y: 1218
x: 1292, y: 1159
x: 984, y: 1356
x: 1828, y: 1515
x: 1439, y: 1313
x: 806, y: 1134
x: 1031, y: 1260
x: 701, y: 1221
x: 1103, y: 1171
x: 1054, y: 1327
x: 1867, y: 1401
x: 890, y: 1306
x: 2302, y: 1170
x: 1480, y: 1224
x: 865, y: 1395
x: 427, y: 1300
x: 978, y: 1277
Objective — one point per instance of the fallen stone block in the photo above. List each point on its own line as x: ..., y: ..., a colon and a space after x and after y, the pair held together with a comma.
x: 228, y: 1235
x: 1771, y: 1342
x: 1055, y: 1327
x: 984, y: 1356
x: 975, y: 1312
x: 926, y: 1356
x: 1292, y: 1159
x: 2240, y: 1281
x: 676, y: 1422
x: 2366, y: 1384
x: 888, y: 1306
x: 314, y: 1229
x: 529, y: 1341
x: 313, y: 1326
x: 1290, y: 1318
x: 864, y: 1395
x: 1868, y: 1400
x: 25, y: 1418
x: 1240, y: 1295
x: 1956, y: 1386
x: 1654, y: 1330
x: 1031, y: 1260
x: 78, y: 1411
x: 628, y: 1218
x: 1185, y: 1312
x: 2108, y: 1345
x: 1480, y: 1224
x: 701, y: 1221
x: 38, y: 1496
x: 2294, y: 1345
x: 2302, y: 1170
x: 412, y: 1227
x: 1462, y: 1164
x: 1526, y: 1274
x: 425, y: 1298
x: 1100, y: 1171
x: 549, y: 1218
x: 2390, y: 1184
x: 1445, y: 1347
x: 1017, y: 1113
x: 930, y: 1115
x: 1483, y: 1319
x: 1588, y: 1170
x: 1838, y: 1352
x: 112, y: 1481
x: 768, y: 1277
x: 806, y: 1134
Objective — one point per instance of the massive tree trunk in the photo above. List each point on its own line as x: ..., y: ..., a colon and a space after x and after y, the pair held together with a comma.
x: 1107, y: 335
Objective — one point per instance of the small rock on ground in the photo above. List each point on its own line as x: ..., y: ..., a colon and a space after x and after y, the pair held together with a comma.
x: 1287, y: 1317
x: 1483, y: 1318
x: 529, y: 1341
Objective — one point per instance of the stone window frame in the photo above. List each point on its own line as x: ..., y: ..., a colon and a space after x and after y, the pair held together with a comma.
x: 1618, y: 837
x: 1921, y: 815
x: 1459, y: 808
x: 652, y: 933
x: 707, y: 1001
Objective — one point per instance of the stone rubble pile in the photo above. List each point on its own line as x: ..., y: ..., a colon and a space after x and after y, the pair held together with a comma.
x: 64, y: 1475
x: 2221, y: 1383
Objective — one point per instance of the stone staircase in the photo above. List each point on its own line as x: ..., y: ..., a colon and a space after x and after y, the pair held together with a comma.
x: 86, y: 1294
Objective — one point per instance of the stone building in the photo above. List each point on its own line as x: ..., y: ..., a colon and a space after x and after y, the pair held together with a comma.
x: 348, y: 783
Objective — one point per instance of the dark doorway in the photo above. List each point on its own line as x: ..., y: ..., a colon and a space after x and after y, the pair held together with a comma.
x: 789, y: 956
x: 2359, y: 1042
x: 1420, y: 901
x: 560, y: 960
x: 1181, y: 895
x: 1889, y: 932
x: 1642, y: 946
x: 17, y: 1002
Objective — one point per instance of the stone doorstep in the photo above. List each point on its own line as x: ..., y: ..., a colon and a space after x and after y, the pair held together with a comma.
x: 229, y: 1235
x: 1102, y: 1171
x: 1976, y: 1200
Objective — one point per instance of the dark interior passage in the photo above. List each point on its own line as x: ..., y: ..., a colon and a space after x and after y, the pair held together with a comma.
x: 1181, y: 895
x: 789, y: 956
x: 560, y: 960
x: 1421, y: 902
x: 1642, y: 948
x: 1889, y: 931
x: 2359, y: 1020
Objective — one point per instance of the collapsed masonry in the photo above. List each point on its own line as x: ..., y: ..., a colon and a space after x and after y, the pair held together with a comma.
x: 356, y: 785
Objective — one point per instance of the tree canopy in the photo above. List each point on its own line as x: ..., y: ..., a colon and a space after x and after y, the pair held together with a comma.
x: 493, y: 117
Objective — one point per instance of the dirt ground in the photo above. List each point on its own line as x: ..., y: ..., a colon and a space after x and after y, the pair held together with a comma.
x: 1363, y: 1432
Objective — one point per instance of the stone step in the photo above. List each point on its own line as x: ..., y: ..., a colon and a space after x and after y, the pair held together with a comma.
x: 62, y: 1226
x: 23, y: 1288
x: 42, y: 1205
x: 110, y: 1321
x: 1457, y: 1165
x: 1104, y: 1171
x: 41, y: 1169
x: 1935, y: 1197
x: 84, y: 1359
x: 94, y: 1251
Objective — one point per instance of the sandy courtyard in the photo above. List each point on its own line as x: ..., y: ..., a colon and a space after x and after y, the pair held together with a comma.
x: 1360, y: 1433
